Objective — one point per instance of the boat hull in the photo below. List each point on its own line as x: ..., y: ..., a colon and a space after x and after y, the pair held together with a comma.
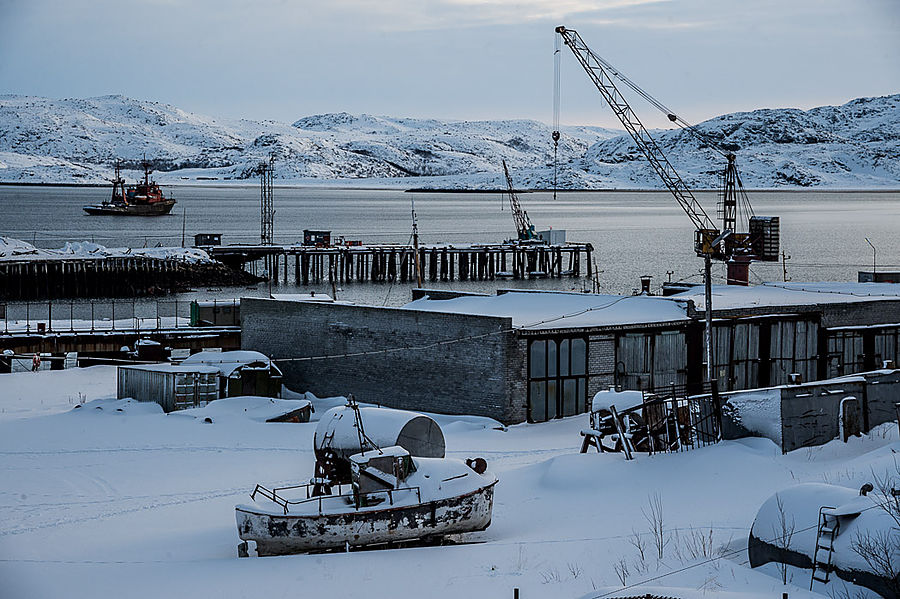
x: 286, y: 534
x: 154, y: 209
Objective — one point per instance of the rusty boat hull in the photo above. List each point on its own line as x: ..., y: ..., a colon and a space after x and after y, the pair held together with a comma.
x: 120, y: 209
x: 301, y: 533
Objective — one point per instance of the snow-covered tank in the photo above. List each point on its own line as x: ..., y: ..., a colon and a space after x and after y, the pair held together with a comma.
x: 806, y: 522
x: 337, y: 436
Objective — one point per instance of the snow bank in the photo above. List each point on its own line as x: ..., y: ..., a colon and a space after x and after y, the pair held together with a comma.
x: 758, y: 411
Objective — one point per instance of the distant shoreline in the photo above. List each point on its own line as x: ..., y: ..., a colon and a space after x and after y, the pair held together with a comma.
x: 212, y: 184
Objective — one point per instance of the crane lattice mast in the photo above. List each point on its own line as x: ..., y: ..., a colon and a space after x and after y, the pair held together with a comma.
x: 601, y: 73
x: 524, y: 228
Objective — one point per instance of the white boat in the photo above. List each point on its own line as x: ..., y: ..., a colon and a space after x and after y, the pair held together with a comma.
x: 390, y: 496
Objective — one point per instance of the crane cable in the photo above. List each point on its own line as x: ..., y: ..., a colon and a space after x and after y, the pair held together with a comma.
x: 670, y: 114
x: 557, y: 51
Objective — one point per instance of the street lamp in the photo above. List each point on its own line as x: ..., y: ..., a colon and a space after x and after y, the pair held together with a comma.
x: 874, y: 253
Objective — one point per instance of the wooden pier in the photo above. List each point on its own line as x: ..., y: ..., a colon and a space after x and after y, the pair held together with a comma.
x: 390, y: 263
x: 108, y: 276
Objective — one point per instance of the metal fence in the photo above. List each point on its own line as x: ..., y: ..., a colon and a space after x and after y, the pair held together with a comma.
x: 662, y: 422
x: 94, y: 315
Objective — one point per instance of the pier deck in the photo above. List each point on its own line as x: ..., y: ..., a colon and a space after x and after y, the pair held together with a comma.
x: 389, y: 263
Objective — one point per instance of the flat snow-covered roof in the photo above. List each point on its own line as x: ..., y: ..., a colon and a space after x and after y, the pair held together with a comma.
x: 729, y: 297
x: 558, y: 310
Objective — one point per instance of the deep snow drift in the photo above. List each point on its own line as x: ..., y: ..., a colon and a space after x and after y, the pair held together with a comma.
x: 855, y: 145
x: 117, y: 499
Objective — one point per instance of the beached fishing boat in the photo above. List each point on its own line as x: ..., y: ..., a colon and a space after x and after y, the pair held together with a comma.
x: 391, y: 496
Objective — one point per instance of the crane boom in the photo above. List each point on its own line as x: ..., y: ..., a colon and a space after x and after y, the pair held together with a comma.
x: 523, y: 224
x: 601, y: 73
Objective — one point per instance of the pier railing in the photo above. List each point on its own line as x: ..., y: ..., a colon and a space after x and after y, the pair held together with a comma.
x: 61, y: 316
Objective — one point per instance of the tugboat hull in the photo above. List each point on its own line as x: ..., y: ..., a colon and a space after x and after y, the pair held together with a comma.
x: 155, y: 209
x: 276, y: 534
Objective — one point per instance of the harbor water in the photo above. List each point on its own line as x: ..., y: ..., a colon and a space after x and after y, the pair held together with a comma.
x: 633, y: 233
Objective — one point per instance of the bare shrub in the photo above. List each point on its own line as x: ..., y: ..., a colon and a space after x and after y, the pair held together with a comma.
x: 550, y: 575
x: 783, y: 532
x: 653, y: 514
x: 621, y: 568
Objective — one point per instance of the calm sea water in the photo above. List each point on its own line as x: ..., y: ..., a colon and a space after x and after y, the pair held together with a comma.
x: 633, y: 233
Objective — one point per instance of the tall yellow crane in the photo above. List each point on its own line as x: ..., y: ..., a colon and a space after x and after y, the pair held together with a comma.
x: 710, y: 241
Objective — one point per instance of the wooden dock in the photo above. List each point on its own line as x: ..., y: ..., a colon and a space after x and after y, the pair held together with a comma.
x: 390, y: 263
x: 108, y: 276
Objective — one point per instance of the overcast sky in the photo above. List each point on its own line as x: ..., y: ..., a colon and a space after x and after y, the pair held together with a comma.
x: 453, y: 59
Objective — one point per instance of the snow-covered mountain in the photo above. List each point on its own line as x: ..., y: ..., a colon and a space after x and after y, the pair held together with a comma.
x: 856, y: 145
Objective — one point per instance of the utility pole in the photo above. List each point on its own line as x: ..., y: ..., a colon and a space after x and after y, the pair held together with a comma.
x: 416, y: 245
x: 707, y: 268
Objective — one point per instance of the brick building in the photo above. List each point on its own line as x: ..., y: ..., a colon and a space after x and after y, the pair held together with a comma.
x: 536, y: 356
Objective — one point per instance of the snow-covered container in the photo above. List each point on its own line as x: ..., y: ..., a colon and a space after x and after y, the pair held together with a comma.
x: 241, y: 372
x: 793, y: 522
x: 172, y: 387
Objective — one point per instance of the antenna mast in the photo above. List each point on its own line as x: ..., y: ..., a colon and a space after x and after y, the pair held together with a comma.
x: 266, y: 203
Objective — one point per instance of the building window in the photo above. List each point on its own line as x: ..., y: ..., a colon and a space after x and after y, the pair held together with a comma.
x: 557, y: 378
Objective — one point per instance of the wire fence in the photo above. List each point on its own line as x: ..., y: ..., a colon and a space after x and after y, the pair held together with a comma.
x: 98, y: 315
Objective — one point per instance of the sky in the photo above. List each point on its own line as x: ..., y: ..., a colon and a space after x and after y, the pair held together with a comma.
x: 449, y: 59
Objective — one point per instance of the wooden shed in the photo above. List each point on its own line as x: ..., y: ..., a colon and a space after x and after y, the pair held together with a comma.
x: 172, y: 387
x: 241, y: 372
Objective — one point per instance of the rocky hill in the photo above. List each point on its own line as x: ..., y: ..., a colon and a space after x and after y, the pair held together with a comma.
x: 856, y: 145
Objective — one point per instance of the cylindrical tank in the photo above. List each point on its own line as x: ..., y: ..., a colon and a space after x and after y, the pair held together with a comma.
x: 418, y: 434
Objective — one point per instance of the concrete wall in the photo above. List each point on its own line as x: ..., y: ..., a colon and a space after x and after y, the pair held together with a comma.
x: 483, y: 376
x: 810, y: 414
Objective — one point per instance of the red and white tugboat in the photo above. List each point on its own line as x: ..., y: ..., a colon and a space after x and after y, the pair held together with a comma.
x: 143, y: 199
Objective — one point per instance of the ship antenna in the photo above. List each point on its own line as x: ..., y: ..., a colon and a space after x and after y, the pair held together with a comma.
x: 360, y: 430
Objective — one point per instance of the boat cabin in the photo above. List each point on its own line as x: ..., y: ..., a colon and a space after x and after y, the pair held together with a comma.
x: 379, y: 470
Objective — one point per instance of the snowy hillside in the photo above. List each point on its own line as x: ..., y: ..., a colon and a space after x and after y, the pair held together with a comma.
x: 856, y: 145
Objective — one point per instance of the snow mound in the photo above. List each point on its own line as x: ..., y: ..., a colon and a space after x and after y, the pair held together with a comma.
x: 247, y: 407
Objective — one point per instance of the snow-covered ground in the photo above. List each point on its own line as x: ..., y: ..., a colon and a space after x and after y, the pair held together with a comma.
x: 117, y: 499
x: 43, y: 140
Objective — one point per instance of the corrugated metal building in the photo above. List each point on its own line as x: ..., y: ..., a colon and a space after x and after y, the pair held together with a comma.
x: 172, y: 387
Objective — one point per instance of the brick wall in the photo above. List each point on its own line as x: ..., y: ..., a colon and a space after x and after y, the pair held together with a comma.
x: 601, y: 363
x: 482, y: 376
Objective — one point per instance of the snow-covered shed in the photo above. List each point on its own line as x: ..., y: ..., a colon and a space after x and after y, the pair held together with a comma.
x: 174, y: 387
x: 241, y: 372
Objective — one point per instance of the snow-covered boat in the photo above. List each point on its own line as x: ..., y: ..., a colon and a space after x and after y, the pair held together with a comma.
x: 389, y: 496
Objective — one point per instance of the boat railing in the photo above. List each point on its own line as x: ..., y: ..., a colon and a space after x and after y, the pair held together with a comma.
x: 350, y: 498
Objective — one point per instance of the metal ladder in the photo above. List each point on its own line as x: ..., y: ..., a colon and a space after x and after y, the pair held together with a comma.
x: 825, y: 533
